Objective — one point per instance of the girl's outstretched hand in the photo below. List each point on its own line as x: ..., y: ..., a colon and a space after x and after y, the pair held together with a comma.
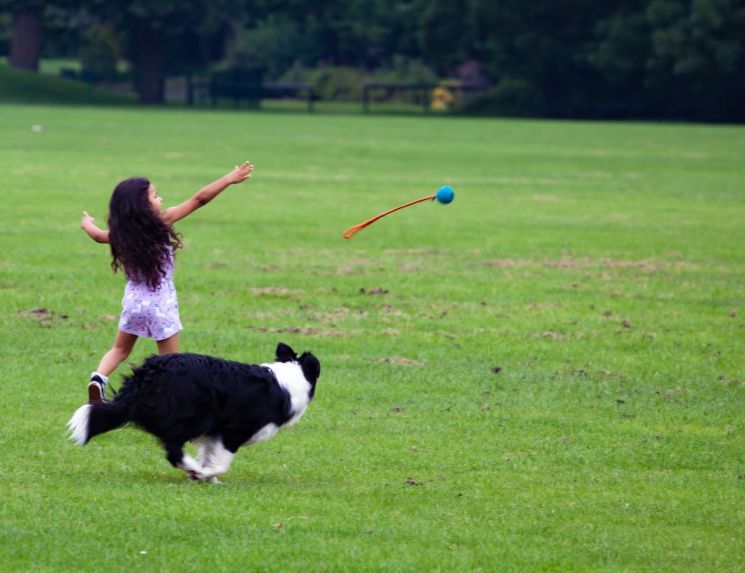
x: 207, y: 193
x: 241, y: 172
x: 86, y: 220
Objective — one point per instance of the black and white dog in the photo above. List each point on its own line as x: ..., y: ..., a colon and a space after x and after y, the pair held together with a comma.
x: 219, y: 404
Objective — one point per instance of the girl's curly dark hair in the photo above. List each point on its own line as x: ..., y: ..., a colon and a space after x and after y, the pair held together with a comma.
x: 141, y: 243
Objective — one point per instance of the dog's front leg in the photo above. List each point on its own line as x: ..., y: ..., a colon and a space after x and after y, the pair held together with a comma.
x: 204, y: 458
x: 215, y: 457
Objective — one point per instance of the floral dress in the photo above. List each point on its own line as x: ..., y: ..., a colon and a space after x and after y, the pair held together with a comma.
x: 148, y: 312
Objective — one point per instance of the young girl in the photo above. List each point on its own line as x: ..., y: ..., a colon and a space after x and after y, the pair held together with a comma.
x: 143, y: 243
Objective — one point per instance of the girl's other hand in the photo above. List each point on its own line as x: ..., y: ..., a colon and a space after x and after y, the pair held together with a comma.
x: 88, y: 224
x: 241, y: 172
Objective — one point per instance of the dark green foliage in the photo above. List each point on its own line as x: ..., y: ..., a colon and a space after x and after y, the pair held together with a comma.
x: 671, y: 59
x: 344, y: 83
x: 511, y: 97
x: 29, y: 87
x: 99, y: 53
x: 273, y: 46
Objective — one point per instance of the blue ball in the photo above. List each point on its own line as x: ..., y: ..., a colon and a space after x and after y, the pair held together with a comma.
x: 445, y: 194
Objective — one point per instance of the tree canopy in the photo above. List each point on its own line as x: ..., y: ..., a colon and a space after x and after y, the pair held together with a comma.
x: 555, y: 58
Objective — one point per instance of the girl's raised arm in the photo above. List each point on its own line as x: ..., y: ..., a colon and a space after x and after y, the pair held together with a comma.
x: 207, y: 193
x: 88, y: 224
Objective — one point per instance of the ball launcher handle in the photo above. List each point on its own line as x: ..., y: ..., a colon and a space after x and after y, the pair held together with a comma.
x: 349, y: 233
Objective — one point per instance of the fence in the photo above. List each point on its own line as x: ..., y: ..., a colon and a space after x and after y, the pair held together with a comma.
x: 427, y: 93
x: 247, y: 88
x: 239, y: 90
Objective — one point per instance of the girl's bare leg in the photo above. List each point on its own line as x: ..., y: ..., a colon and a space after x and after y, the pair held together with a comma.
x: 168, y: 346
x: 123, y: 345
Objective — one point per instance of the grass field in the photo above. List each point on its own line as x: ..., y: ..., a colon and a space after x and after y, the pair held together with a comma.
x: 545, y: 375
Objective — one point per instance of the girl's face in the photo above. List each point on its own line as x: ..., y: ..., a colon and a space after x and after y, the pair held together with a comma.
x: 154, y: 198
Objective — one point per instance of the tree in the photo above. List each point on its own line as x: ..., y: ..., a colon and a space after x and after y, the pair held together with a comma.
x: 443, y: 36
x: 697, y: 57
x: 673, y: 58
x: 166, y: 34
x: 25, y: 44
x: 30, y: 24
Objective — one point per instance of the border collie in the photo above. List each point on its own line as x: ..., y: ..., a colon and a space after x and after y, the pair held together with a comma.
x: 219, y: 404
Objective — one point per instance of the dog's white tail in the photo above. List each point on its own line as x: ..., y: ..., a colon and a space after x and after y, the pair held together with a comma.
x: 78, y: 425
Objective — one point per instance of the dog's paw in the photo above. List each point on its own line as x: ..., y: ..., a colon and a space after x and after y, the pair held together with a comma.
x: 195, y: 475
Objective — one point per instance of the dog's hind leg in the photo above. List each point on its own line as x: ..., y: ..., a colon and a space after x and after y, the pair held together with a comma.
x: 178, y: 459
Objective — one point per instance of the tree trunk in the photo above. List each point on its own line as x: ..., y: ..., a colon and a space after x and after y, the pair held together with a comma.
x: 25, y: 47
x: 151, y: 80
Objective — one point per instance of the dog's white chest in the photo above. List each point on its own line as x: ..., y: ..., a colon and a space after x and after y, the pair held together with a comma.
x: 290, y: 376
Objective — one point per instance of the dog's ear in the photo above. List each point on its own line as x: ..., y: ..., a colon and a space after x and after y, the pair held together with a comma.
x: 285, y: 353
x: 311, y: 367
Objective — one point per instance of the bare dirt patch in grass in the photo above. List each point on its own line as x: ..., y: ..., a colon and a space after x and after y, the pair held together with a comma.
x: 398, y: 361
x: 647, y: 265
x: 303, y: 330
x: 44, y: 316
x: 276, y: 291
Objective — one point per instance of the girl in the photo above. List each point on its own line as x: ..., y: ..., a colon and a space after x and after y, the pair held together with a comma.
x: 143, y: 243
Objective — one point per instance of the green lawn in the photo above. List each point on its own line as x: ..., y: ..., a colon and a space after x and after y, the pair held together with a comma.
x: 545, y: 375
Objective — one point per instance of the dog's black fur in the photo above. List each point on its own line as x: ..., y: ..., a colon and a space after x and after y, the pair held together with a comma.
x: 219, y: 403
